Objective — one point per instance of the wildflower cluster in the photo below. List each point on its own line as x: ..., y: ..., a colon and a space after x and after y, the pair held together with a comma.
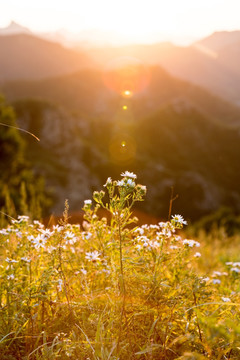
x: 105, y: 289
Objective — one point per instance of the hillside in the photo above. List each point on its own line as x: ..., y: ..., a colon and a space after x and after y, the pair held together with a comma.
x: 86, y: 92
x: 211, y: 63
x: 197, y: 64
x: 24, y: 56
x: 174, y: 134
x: 220, y: 39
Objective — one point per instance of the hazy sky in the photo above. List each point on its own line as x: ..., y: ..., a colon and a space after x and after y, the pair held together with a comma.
x: 180, y: 21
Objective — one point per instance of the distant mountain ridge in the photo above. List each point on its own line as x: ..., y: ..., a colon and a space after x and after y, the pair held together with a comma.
x: 14, y: 28
x: 24, y: 56
x: 212, y: 63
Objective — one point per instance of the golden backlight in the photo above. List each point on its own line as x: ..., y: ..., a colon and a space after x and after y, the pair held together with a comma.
x: 126, y: 20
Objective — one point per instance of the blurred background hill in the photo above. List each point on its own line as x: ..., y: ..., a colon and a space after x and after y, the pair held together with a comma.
x: 179, y: 128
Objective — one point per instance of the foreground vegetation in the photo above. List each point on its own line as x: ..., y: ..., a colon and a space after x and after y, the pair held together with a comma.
x: 111, y: 290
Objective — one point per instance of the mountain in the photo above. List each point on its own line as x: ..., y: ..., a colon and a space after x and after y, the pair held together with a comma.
x: 211, y: 63
x: 86, y: 92
x: 14, y: 28
x: 174, y: 134
x: 172, y: 147
x: 25, y: 56
x: 195, y: 64
x: 219, y: 40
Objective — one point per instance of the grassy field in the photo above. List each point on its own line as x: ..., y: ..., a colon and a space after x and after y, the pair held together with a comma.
x: 108, y: 290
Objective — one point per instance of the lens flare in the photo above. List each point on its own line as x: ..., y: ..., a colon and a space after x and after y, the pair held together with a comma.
x: 126, y: 76
x: 125, y: 107
x: 122, y: 149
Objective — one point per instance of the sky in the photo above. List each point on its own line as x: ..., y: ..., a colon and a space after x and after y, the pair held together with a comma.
x: 146, y: 21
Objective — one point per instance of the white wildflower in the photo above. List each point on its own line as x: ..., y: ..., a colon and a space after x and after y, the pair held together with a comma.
x: 10, y: 261
x: 226, y: 299
x: 88, y: 202
x: 139, y: 230
x: 47, y: 233
x: 39, y: 241
x: 179, y: 219
x: 84, y: 271
x: 197, y: 255
x: 154, y: 227
x: 131, y: 183
x: 87, y: 235
x: 10, y: 277
x: 60, y: 284
x: 236, y: 264
x: 40, y: 225
x: 219, y: 273
x: 93, y: 256
x: 70, y: 238
x: 4, y: 232
x: 120, y: 183
x: 235, y: 269
x: 108, y: 182
x: 191, y: 243
x: 154, y: 244
x: 57, y: 228
x: 23, y: 218
x: 173, y: 247
x: 26, y: 259
x: 216, y: 281
x: 129, y: 175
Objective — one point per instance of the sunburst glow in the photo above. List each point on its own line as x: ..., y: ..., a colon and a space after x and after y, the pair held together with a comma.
x: 129, y: 21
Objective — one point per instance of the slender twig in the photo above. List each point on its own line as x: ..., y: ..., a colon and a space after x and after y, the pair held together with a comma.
x: 172, y: 198
x: 23, y: 130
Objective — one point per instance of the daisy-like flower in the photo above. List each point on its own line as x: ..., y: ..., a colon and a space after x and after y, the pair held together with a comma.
x: 10, y: 277
x: 23, y: 217
x: 197, y: 255
x: 129, y: 175
x: 191, y: 243
x: 40, y: 225
x: 108, y: 182
x: 131, y: 183
x: 235, y: 269
x: 83, y: 271
x: 39, y: 241
x: 4, y: 232
x: 10, y: 261
x: 226, y: 299
x: 57, y: 228
x: 120, y: 183
x: 139, y: 230
x: 88, y: 202
x: 179, y: 219
x: 173, y: 247
x: 93, y: 256
x: 86, y: 235
x: 26, y: 259
x: 216, y: 281
x: 70, y: 238
x: 47, y: 233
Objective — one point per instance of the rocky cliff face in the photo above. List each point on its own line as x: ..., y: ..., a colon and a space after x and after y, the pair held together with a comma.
x: 177, y: 148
